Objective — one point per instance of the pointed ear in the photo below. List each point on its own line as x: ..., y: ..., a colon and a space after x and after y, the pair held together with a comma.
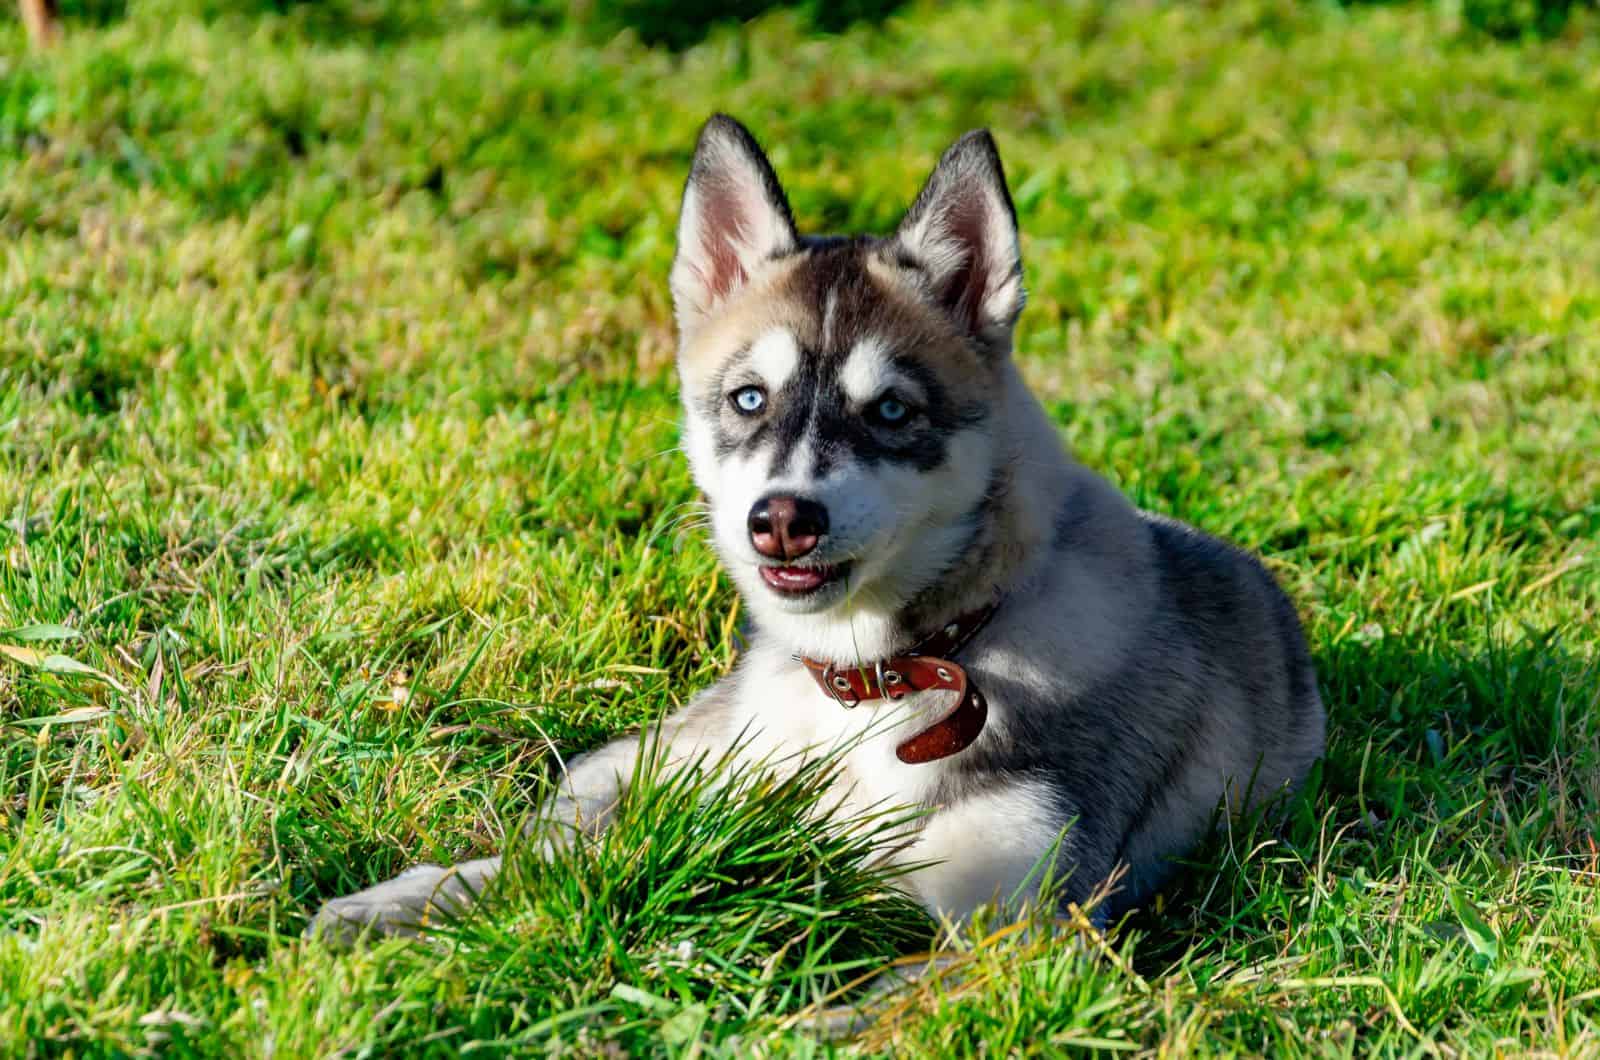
x: 961, y: 235
x: 734, y: 218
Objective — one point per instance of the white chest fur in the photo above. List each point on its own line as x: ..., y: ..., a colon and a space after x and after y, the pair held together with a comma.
x: 785, y: 714
x: 986, y: 848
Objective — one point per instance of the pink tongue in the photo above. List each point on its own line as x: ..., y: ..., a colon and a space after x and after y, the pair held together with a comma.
x: 794, y: 578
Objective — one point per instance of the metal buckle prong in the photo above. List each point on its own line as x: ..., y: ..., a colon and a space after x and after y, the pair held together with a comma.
x: 832, y: 681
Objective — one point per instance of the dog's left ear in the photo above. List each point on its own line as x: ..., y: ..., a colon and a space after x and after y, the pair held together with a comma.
x: 734, y: 217
x: 961, y: 235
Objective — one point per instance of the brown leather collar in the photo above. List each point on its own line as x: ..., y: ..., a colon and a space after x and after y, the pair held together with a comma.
x: 926, y: 666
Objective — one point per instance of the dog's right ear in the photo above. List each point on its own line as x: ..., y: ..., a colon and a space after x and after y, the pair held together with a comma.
x: 734, y: 217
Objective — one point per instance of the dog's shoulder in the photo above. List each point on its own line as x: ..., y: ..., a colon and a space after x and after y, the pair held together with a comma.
x: 1218, y: 586
x: 1207, y: 574
x: 1224, y: 604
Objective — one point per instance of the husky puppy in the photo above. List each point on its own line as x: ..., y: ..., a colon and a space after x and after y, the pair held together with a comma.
x: 988, y: 630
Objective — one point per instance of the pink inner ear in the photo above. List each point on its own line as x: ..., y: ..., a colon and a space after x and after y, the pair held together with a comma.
x: 723, y: 227
x: 964, y: 290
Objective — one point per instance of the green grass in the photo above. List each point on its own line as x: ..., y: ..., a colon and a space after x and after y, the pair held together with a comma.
x: 337, y: 420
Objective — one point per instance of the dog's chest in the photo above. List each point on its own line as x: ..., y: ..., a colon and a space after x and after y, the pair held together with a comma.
x: 785, y: 714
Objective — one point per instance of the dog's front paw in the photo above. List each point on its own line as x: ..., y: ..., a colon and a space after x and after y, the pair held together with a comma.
x: 401, y: 906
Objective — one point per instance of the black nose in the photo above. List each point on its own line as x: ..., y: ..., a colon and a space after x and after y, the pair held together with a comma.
x: 786, y: 527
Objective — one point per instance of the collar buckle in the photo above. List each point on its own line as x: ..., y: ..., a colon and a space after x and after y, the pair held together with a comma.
x: 838, y: 686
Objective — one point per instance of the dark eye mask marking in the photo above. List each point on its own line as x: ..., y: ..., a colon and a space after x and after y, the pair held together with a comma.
x: 812, y: 405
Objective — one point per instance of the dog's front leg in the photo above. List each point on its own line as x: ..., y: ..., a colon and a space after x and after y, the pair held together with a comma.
x: 421, y: 895
x: 594, y: 782
x: 405, y: 905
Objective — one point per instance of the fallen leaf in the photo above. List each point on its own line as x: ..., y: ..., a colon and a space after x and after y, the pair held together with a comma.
x: 75, y: 716
x: 56, y: 664
x: 25, y: 656
x: 43, y: 631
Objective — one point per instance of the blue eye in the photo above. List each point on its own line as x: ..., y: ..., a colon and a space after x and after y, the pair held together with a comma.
x: 891, y: 411
x: 749, y: 400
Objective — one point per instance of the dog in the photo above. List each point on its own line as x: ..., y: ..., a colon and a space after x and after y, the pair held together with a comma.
x: 978, y: 626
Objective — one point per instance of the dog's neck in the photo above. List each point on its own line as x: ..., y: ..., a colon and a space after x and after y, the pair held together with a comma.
x: 1014, y: 537
x: 983, y: 571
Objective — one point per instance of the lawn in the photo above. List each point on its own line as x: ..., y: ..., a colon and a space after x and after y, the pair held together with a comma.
x: 339, y: 497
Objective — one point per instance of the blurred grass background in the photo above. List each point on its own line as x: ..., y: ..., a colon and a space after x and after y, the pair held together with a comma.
x: 336, y: 438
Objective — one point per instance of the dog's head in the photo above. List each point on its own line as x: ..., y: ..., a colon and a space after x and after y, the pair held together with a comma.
x: 841, y: 393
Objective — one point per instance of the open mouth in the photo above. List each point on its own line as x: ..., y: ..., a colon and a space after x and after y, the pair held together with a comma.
x: 801, y: 581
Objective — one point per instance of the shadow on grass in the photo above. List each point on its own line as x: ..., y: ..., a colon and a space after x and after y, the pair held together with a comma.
x: 672, y: 24
x: 1430, y: 748
x: 93, y: 12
